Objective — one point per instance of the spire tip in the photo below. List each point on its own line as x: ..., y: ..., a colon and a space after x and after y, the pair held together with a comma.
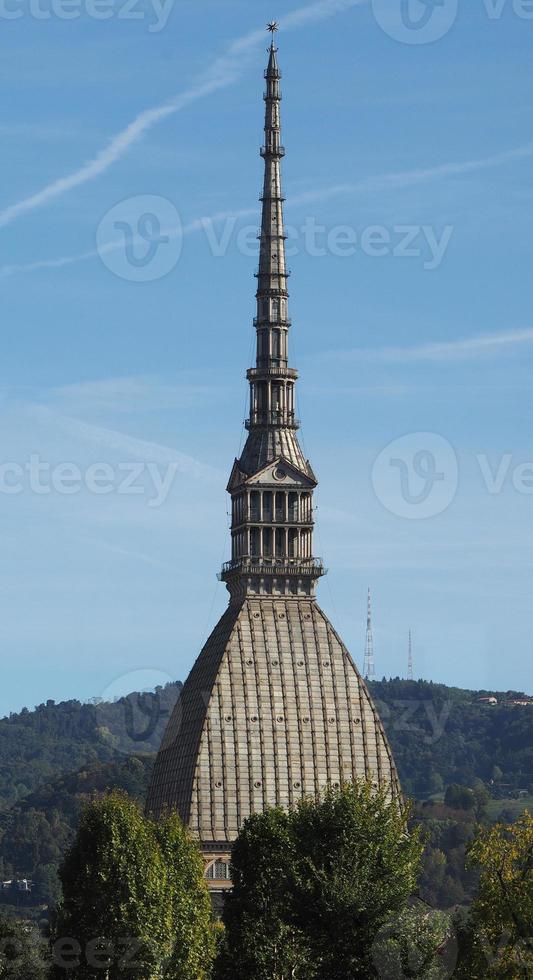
x: 273, y: 27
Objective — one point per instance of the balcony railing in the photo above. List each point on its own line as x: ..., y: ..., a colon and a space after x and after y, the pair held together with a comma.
x: 279, y: 519
x: 267, y: 321
x: 272, y: 371
x: 273, y: 566
x: 272, y: 151
x: 265, y: 418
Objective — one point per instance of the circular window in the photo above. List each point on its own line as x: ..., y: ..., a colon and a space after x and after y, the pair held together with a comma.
x: 307, y: 616
x: 218, y: 784
x: 249, y: 663
x: 331, y: 721
x: 297, y: 785
x: 301, y: 663
x: 258, y: 784
x: 306, y: 721
x: 282, y: 615
x: 275, y: 663
x: 279, y: 473
x: 228, y: 718
x: 357, y: 721
x: 279, y: 719
x: 254, y: 719
x: 257, y: 615
x: 325, y: 663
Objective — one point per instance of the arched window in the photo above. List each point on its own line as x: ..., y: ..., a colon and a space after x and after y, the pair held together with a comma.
x: 218, y: 871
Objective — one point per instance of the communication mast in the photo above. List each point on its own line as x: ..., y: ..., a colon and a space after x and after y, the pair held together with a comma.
x: 369, y: 667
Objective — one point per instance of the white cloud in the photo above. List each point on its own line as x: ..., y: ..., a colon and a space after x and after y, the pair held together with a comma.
x: 378, y: 183
x: 420, y: 175
x: 112, y: 440
x: 224, y: 71
x: 469, y: 347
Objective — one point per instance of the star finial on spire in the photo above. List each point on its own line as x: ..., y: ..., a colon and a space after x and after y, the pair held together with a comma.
x: 273, y: 26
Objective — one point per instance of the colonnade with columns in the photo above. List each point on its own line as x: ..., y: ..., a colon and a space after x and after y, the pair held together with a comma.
x: 272, y: 524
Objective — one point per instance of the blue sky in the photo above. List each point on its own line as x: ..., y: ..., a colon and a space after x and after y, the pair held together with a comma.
x: 392, y: 147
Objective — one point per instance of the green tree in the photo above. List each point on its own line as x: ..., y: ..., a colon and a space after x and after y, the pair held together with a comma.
x: 261, y: 938
x: 135, y: 900
x: 498, y: 938
x: 23, y: 952
x: 418, y: 943
x: 357, y: 866
x: 459, y: 797
x: 189, y: 903
x: 46, y: 884
x: 313, y: 887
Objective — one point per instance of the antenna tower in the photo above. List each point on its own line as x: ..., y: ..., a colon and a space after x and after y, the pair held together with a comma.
x: 410, y: 674
x: 369, y: 667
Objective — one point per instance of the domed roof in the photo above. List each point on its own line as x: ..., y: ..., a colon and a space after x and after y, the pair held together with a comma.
x: 273, y: 710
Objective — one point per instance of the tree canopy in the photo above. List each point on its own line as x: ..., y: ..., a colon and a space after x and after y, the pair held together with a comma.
x: 313, y: 887
x: 135, y: 900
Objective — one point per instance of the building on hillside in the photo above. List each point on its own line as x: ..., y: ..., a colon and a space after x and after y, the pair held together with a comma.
x: 274, y: 708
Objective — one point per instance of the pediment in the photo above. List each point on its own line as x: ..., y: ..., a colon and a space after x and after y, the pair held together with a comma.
x: 280, y: 473
x: 237, y: 477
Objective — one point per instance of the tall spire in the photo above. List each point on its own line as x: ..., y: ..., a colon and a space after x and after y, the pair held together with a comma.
x: 410, y: 671
x: 369, y: 669
x: 272, y: 483
x: 273, y: 380
x: 272, y: 289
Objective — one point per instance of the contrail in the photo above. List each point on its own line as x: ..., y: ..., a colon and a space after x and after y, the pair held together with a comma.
x: 376, y: 183
x: 7, y: 271
x: 462, y: 349
x: 224, y: 71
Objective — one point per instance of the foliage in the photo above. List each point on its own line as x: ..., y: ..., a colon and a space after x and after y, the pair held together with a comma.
x: 188, y: 901
x: 445, y: 880
x: 23, y: 951
x: 313, y: 887
x: 53, y: 759
x: 38, y: 830
x: 262, y: 938
x: 37, y: 747
x: 419, y: 942
x: 499, y: 938
x: 115, y: 905
x: 135, y: 900
x: 442, y: 735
